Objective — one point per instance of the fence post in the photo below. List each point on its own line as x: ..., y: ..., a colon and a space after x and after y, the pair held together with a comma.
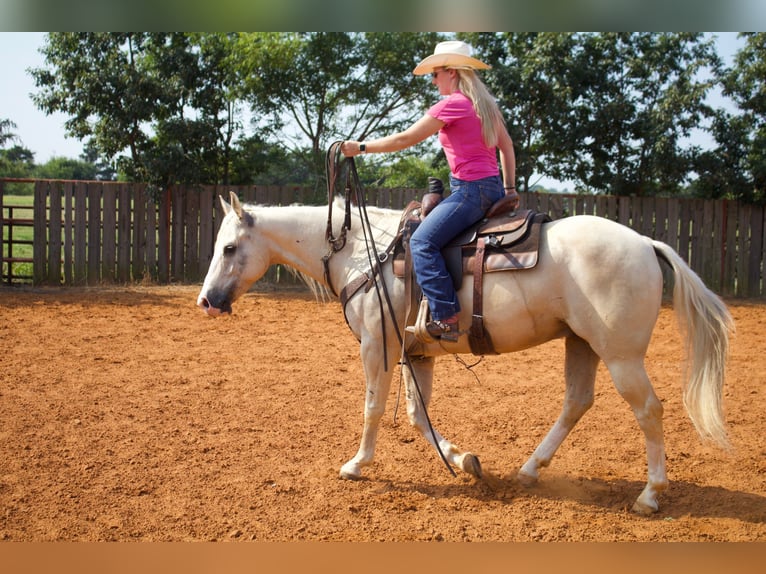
x: 40, y: 233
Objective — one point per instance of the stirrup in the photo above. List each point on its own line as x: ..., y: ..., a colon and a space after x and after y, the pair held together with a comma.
x: 425, y: 333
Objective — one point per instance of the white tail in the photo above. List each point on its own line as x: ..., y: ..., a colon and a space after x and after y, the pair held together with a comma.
x: 705, y: 324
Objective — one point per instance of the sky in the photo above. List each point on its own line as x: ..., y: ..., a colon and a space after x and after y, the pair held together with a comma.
x: 44, y: 135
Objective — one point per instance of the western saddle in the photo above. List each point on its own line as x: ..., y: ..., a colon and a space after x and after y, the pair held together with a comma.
x: 506, y: 239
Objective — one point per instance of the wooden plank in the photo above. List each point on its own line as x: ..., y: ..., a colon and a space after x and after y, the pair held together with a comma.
x: 206, y: 235
x: 68, y: 233
x: 716, y: 245
x: 191, y: 242
x: 556, y: 206
x: 672, y: 226
x: 54, y: 235
x: 163, y: 234
x: 109, y: 233
x: 152, y: 206
x: 661, y: 219
x: 624, y: 215
x: 580, y: 205
x: 755, y: 252
x: 94, y: 232
x: 177, y: 233
x: 696, y: 229
x: 728, y: 287
x: 261, y: 195
x: 287, y: 195
x: 708, y: 241
x: 80, y: 232
x: 589, y: 205
x: 743, y: 243
x: 40, y: 233
x: 124, y: 216
x: 647, y: 226
x: 544, y: 204
x: 273, y: 195
x: 684, y: 230
x: 600, y: 206
x: 138, y: 255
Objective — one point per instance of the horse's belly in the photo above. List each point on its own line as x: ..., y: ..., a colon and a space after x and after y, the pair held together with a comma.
x: 516, y: 313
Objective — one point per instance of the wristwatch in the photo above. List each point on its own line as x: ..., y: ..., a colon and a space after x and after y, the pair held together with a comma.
x: 362, y: 148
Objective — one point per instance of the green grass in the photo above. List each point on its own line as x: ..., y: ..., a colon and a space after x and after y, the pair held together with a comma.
x: 19, y: 233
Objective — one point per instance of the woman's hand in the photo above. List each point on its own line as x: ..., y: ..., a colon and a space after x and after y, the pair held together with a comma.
x: 350, y: 148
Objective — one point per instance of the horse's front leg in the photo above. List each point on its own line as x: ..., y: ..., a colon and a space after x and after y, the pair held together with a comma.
x: 378, y: 384
x: 418, y: 373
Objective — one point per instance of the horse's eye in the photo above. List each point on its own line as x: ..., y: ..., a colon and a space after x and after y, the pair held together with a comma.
x: 229, y: 250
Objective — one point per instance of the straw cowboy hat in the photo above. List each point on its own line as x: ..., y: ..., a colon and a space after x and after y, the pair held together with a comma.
x: 452, y: 54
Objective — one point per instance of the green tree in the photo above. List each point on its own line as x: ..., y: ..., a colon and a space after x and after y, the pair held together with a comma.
x: 531, y: 78
x: 331, y: 86
x: 6, y: 132
x: 610, y: 110
x: 66, y: 168
x: 642, y: 99
x: 723, y: 172
x: 745, y: 82
x: 161, y: 105
x: 15, y: 160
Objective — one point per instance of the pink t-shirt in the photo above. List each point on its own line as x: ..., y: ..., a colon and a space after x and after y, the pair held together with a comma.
x: 468, y: 158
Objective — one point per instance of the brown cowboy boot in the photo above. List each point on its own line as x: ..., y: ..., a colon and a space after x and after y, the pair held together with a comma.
x: 446, y: 330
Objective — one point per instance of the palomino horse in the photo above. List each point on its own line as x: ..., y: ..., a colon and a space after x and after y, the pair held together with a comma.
x: 597, y: 284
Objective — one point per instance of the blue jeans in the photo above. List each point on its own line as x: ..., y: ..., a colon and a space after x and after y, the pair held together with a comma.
x: 467, y: 204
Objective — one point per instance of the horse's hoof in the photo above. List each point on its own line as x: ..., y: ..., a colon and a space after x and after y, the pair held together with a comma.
x: 645, y: 509
x: 350, y: 471
x: 526, y: 479
x: 471, y: 465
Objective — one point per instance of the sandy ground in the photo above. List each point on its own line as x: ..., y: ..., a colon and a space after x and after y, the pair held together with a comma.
x: 127, y: 415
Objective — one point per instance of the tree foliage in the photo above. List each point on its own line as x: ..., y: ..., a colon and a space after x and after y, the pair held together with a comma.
x: 609, y: 111
x: 311, y: 89
x: 745, y: 82
x: 612, y: 112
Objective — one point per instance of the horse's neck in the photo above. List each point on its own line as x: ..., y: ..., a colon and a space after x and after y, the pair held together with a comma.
x: 296, y: 235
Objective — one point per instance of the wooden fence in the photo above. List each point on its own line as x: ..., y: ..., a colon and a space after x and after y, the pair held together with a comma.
x: 103, y: 232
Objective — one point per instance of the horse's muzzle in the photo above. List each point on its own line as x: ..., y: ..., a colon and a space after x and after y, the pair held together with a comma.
x: 216, y: 309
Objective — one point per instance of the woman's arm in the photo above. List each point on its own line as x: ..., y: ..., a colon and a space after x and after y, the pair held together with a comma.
x: 507, y: 158
x: 416, y: 133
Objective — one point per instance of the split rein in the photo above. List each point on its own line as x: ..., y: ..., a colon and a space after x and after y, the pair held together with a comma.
x: 334, y: 163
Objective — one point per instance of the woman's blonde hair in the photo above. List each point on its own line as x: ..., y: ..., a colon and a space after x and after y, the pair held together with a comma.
x: 483, y: 102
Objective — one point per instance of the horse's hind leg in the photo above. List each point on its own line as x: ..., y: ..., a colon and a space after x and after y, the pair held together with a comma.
x: 633, y: 384
x: 418, y: 392
x: 581, y: 364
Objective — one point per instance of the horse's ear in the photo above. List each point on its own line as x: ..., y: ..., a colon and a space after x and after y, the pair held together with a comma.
x: 235, y: 204
x: 226, y: 207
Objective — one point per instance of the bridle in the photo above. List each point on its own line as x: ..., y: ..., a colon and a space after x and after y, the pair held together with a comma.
x: 333, y: 168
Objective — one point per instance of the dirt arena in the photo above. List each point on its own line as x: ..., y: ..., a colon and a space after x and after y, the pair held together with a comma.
x: 128, y: 415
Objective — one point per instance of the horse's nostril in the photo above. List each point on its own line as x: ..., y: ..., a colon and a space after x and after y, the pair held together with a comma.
x: 204, y: 303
